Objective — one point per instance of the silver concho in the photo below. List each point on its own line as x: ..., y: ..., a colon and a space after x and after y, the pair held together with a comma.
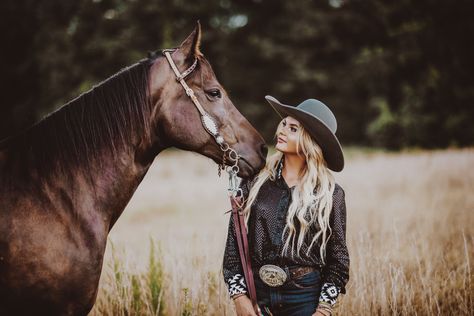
x: 219, y: 139
x: 209, y: 124
x: 272, y: 275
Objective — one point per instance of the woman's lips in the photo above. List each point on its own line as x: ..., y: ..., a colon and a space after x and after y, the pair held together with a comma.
x: 280, y: 140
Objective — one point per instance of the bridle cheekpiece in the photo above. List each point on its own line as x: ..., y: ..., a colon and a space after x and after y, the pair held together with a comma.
x: 210, y: 126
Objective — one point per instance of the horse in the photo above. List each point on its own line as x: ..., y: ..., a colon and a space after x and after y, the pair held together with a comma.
x: 65, y: 180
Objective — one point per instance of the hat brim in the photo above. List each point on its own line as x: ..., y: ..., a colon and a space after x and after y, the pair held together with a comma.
x: 326, y: 139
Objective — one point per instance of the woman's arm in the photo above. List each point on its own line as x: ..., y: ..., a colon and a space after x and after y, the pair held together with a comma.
x: 335, y: 273
x: 232, y: 269
x: 232, y: 266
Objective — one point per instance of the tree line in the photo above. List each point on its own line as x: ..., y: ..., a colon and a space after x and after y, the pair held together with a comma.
x: 395, y: 73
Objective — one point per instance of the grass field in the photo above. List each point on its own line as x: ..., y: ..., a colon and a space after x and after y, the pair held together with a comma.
x: 410, y: 238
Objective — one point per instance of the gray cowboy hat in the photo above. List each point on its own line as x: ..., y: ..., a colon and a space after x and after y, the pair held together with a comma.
x: 320, y: 123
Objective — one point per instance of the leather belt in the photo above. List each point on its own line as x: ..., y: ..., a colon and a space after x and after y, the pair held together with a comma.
x: 275, y: 276
x: 297, y: 272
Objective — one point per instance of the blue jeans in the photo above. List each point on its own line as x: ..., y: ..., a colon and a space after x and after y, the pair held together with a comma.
x: 297, y: 297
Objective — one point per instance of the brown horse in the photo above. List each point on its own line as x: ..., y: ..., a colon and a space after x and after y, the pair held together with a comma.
x: 66, y: 180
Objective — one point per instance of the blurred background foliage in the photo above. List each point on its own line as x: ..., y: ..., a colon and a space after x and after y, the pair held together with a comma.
x: 396, y: 73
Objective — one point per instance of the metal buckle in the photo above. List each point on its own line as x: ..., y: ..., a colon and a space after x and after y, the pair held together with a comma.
x: 272, y: 275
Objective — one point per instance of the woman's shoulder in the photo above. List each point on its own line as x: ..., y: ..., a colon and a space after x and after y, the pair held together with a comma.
x: 339, y: 192
x: 246, y: 184
x: 338, y: 188
x: 339, y: 198
x: 248, y: 181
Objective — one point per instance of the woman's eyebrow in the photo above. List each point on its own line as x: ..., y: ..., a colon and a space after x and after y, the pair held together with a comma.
x: 291, y: 124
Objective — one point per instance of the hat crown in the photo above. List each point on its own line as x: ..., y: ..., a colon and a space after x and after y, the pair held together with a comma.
x: 319, y: 121
x: 321, y: 111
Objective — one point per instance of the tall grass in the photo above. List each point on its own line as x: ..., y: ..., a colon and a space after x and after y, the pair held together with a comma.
x: 129, y: 291
x: 410, y: 237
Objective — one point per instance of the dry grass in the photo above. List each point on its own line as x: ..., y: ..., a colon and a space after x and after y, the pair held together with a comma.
x: 410, y: 234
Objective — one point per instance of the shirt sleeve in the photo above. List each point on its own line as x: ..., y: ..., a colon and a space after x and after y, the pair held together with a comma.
x: 232, y: 266
x: 335, y: 273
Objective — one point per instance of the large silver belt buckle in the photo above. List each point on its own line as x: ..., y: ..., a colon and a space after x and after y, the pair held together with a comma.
x: 272, y: 275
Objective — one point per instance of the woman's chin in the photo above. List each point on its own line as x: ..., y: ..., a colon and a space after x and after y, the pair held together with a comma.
x: 281, y: 147
x: 284, y: 149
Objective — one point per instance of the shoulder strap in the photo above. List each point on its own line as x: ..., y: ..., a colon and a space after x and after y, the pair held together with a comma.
x: 242, y: 242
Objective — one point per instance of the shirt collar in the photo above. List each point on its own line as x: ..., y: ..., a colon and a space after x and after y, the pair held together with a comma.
x: 280, y: 181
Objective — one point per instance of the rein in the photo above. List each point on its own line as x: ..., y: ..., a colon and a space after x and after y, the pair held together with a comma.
x: 210, y: 126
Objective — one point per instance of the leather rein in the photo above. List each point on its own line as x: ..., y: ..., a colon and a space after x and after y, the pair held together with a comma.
x: 235, y: 193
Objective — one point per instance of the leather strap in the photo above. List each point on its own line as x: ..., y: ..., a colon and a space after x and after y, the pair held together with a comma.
x: 180, y: 78
x: 242, y: 242
x: 297, y: 272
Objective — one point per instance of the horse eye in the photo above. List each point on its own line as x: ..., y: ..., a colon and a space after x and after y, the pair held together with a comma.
x: 215, y: 93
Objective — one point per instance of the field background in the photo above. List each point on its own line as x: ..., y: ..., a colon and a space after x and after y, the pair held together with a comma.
x: 410, y: 237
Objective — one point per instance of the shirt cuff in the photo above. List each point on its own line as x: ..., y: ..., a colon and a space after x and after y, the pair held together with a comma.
x: 237, y: 285
x: 329, y: 293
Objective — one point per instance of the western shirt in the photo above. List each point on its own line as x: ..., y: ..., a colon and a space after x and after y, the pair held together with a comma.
x: 265, y: 236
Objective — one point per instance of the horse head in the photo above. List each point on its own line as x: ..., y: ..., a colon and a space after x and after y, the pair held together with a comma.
x: 177, y: 120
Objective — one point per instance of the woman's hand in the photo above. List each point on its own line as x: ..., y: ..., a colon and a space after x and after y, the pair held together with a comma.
x: 243, y: 306
x: 319, y: 312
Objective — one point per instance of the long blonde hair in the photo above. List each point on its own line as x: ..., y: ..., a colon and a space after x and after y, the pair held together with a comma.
x: 311, y: 199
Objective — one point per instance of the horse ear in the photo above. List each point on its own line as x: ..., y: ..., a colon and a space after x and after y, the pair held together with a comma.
x: 190, y: 46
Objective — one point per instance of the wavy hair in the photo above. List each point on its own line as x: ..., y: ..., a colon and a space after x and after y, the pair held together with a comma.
x: 311, y: 199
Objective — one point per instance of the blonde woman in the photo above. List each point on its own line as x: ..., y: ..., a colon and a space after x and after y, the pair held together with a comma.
x: 296, y: 219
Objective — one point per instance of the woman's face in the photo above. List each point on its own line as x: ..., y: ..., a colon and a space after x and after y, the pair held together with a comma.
x: 287, y: 135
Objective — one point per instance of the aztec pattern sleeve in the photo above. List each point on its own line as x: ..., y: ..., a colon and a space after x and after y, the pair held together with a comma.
x: 336, y: 270
x: 232, y: 266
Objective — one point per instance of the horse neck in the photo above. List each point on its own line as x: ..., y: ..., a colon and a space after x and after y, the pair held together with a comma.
x: 116, y: 180
x: 116, y: 177
x: 92, y: 153
x: 108, y: 182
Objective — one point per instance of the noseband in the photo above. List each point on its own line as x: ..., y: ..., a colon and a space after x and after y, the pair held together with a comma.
x: 210, y: 126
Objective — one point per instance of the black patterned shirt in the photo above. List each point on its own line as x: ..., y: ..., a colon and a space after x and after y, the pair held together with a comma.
x: 266, y: 224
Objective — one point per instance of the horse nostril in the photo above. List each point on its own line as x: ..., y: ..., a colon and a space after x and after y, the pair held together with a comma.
x: 264, y: 150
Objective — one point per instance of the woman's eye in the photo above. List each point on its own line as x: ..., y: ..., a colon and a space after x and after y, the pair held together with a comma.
x: 293, y: 129
x: 215, y: 93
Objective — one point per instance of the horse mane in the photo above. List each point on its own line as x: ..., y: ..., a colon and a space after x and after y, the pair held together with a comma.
x: 107, y: 117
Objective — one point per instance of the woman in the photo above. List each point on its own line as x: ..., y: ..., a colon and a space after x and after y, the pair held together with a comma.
x: 296, y: 220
